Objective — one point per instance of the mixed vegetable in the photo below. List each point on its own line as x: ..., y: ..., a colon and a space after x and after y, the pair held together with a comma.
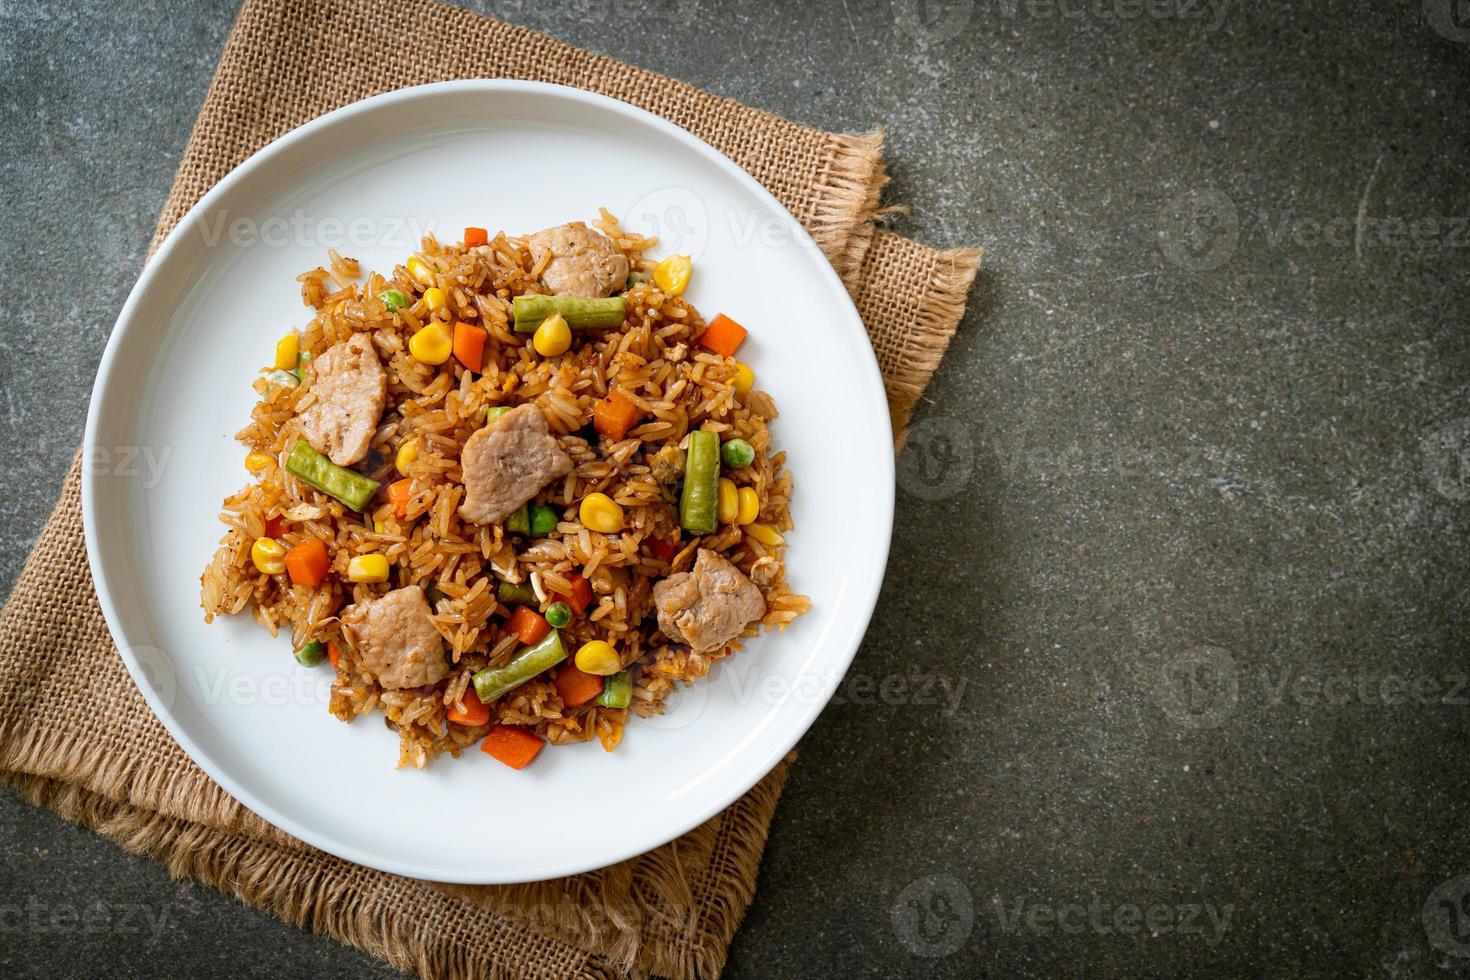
x: 706, y: 500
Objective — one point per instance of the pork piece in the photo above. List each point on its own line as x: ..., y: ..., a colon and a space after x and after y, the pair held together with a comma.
x: 350, y: 388
x: 396, y: 641
x: 507, y: 462
x: 709, y: 605
x: 583, y: 263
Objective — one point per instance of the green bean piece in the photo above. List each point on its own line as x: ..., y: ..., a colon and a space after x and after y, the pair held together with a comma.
x: 699, y: 502
x: 598, y: 313
x: 737, y: 454
x: 543, y: 519
x: 519, y: 522
x: 558, y: 614
x: 337, y: 482
x: 395, y: 299
x: 538, y: 658
x: 311, y: 653
x: 511, y: 593
x: 617, y: 690
x: 494, y: 412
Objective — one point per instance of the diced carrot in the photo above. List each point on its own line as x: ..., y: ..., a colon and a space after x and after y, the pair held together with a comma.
x: 476, y: 236
x: 275, y: 526
x: 307, y: 563
x: 576, y: 687
x: 512, y: 745
x: 334, y: 655
x: 662, y: 550
x: 581, y: 596
x: 469, y: 346
x: 528, y: 625
x: 723, y: 336
x: 469, y: 709
x: 400, y: 492
x: 614, y: 415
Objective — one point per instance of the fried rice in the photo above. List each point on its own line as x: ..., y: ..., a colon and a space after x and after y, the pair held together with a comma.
x: 655, y: 358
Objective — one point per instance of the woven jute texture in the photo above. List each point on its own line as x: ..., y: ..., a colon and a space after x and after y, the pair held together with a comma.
x: 76, y: 736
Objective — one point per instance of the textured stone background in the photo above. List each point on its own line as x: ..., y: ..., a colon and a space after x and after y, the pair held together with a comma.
x: 1181, y: 532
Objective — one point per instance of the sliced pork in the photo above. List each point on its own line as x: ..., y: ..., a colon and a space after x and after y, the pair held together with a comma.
x: 709, y: 605
x: 395, y: 640
x: 507, y: 462
x: 350, y: 388
x: 583, y: 262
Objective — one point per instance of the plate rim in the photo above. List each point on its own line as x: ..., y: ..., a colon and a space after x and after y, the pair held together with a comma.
x: 127, y: 325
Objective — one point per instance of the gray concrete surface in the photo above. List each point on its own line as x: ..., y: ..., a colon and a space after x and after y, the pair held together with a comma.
x: 1183, y: 520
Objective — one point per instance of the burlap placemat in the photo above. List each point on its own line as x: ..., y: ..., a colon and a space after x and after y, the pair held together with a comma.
x: 76, y: 736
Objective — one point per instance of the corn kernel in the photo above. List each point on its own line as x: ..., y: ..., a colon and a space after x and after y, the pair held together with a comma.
x: 431, y: 345
x: 269, y: 556
x: 672, y: 274
x: 435, y: 299
x: 258, y: 463
x: 599, y: 512
x: 368, y: 568
x: 729, y: 501
x: 598, y: 657
x: 287, y: 349
x: 744, y: 379
x: 750, y: 506
x: 553, y: 336
x: 407, y: 453
x: 765, y: 534
x: 420, y: 270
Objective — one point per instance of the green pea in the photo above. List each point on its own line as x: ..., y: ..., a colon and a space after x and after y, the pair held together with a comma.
x: 519, y: 522
x: 737, y: 454
x: 543, y: 519
x: 494, y: 412
x: 395, y: 299
x: 311, y: 654
x: 558, y: 614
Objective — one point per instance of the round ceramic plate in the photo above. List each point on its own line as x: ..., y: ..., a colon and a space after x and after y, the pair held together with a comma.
x: 175, y: 386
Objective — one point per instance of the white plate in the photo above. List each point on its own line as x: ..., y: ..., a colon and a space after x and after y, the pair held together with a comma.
x: 174, y: 387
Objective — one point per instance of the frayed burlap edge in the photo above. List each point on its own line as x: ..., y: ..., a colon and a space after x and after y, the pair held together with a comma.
x: 934, y: 329
x: 842, y: 224
x: 925, y: 314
